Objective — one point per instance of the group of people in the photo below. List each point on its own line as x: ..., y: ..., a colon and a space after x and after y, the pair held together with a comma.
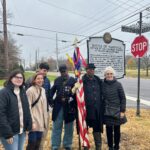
x: 24, y: 108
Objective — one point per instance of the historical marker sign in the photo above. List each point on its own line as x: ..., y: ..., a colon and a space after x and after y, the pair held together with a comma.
x: 104, y: 55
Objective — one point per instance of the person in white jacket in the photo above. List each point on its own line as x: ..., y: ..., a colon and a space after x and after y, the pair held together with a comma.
x: 38, y: 106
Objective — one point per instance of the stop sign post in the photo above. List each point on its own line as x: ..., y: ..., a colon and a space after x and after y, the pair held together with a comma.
x: 139, y: 46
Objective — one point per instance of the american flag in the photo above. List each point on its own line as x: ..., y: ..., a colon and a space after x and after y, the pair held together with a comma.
x: 83, y: 132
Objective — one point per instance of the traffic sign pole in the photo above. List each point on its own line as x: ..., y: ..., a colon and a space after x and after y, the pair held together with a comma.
x: 138, y: 50
x: 139, y: 64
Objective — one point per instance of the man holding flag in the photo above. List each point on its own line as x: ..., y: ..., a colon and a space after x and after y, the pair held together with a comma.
x: 92, y: 86
x: 89, y: 101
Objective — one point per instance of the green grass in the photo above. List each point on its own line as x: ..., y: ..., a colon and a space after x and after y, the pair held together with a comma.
x: 30, y: 74
x: 129, y: 73
x: 2, y: 82
x: 134, y: 73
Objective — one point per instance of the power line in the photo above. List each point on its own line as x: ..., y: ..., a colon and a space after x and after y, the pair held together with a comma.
x: 85, y: 25
x: 67, y: 10
x: 36, y: 36
x: 48, y: 30
x: 104, y: 20
x: 120, y: 5
x: 106, y: 29
x: 124, y: 19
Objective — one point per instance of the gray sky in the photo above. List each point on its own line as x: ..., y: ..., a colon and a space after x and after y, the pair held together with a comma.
x: 80, y: 17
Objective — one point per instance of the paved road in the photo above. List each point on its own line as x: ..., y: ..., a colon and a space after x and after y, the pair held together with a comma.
x: 130, y: 87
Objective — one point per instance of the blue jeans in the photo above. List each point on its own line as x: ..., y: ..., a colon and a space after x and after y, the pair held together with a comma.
x: 34, y: 136
x: 57, y: 130
x: 18, y: 142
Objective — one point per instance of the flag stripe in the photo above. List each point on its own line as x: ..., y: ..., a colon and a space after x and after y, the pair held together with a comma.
x: 83, y: 132
x: 82, y: 115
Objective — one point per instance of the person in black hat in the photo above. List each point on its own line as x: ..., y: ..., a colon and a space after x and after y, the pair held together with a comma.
x: 92, y: 85
x: 64, y: 109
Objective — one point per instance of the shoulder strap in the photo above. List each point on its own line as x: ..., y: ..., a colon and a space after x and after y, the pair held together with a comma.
x: 36, y: 101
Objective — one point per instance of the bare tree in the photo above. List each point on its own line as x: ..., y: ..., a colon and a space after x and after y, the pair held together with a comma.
x: 13, y: 53
x: 146, y: 63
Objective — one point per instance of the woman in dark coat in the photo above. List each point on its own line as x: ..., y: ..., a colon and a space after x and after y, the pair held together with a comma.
x: 114, y: 108
x: 15, y: 118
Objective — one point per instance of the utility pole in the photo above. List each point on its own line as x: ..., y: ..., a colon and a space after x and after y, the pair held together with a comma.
x: 57, y: 53
x: 138, y: 29
x: 6, y: 59
x: 36, y: 55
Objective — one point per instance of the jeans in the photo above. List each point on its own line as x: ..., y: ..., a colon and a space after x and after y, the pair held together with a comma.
x: 18, y: 142
x: 34, y: 140
x: 57, y: 131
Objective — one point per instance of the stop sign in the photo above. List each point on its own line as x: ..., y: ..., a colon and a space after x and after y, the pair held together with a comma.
x: 139, y: 46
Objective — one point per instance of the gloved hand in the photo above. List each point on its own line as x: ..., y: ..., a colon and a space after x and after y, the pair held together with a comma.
x: 51, y: 103
x: 76, y: 86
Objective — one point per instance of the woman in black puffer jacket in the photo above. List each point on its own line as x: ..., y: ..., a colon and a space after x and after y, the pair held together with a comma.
x: 114, y: 107
x: 15, y: 118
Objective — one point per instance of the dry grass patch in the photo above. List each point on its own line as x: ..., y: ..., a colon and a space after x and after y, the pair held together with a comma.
x: 135, y: 133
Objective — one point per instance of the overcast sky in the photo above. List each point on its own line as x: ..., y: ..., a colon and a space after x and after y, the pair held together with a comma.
x: 72, y: 17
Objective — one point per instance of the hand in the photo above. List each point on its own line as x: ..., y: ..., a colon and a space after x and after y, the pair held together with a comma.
x: 122, y: 114
x: 51, y: 104
x: 33, y: 126
x: 10, y: 140
x: 27, y: 132
x: 76, y: 86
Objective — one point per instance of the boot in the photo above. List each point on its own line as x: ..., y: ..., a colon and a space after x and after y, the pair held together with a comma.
x: 31, y: 145
x: 86, y: 148
x: 67, y: 148
x: 116, y: 147
x: 37, y: 144
x: 97, y: 139
x: 111, y: 148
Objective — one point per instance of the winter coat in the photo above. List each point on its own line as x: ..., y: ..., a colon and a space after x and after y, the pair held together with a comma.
x: 114, y: 102
x: 39, y: 110
x: 64, y: 98
x: 93, y: 99
x: 9, y: 112
x: 46, y: 86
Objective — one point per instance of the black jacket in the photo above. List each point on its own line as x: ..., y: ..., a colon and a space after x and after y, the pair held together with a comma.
x: 93, y: 99
x: 9, y: 112
x: 62, y: 88
x: 114, y: 102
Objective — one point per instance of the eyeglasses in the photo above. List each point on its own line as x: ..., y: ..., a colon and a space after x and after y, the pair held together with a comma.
x: 17, y: 77
x: 109, y: 73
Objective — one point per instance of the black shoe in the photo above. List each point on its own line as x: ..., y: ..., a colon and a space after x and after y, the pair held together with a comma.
x: 111, y: 148
x: 116, y: 147
x: 67, y: 148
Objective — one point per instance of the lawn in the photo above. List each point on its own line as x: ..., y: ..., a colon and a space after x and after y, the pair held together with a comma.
x: 134, y: 73
x: 30, y: 74
x: 135, y: 133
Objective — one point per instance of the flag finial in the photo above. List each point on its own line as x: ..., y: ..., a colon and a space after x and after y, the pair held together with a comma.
x: 75, y: 42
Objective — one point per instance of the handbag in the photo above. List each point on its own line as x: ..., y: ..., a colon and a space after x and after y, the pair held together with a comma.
x: 36, y: 101
x: 113, y: 112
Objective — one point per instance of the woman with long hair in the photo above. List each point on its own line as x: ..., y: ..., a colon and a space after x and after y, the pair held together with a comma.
x: 38, y: 106
x: 15, y: 118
